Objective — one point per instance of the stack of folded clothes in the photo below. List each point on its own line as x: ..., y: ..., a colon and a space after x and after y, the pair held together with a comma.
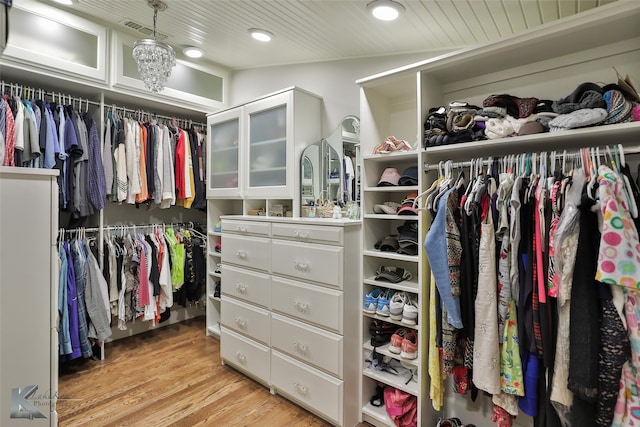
x: 506, y: 115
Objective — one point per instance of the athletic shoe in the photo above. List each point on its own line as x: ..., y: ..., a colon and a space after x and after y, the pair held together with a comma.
x: 409, y: 346
x: 371, y: 301
x: 380, y: 332
x: 395, y: 345
x: 410, y: 313
x: 383, y: 303
x: 396, y: 306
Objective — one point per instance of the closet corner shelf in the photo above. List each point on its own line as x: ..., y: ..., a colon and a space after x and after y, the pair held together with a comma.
x: 569, y: 139
x: 391, y: 157
x: 214, y: 330
x: 211, y: 297
x: 390, y: 255
x: 405, y: 285
x: 384, y: 350
x: 392, y: 380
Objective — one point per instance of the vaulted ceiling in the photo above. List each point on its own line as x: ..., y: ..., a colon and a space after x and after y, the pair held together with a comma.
x: 323, y: 30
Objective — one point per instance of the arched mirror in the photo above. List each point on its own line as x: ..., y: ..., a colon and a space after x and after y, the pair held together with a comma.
x: 329, y: 170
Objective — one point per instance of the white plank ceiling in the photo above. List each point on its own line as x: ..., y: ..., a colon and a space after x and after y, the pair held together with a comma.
x: 323, y: 30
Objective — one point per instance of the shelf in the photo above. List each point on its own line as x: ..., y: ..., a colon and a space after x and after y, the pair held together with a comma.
x: 390, y: 255
x: 393, y: 380
x: 376, y: 415
x: 384, y: 350
x: 394, y: 189
x: 393, y: 157
x: 406, y: 285
x: 214, y: 274
x: 212, y: 298
x: 214, y: 330
x: 388, y: 320
x: 268, y: 142
x: 569, y: 139
x: 391, y: 217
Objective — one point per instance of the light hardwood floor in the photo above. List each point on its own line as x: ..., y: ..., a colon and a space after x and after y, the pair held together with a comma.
x: 171, y: 376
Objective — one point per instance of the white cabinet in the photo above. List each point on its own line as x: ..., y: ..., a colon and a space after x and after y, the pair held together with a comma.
x: 254, y: 149
x: 289, y: 296
x: 548, y: 63
x: 28, y: 297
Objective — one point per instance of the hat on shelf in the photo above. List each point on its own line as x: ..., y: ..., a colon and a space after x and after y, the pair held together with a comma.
x: 498, y: 128
x: 388, y: 244
x: 392, y: 274
x: 529, y: 128
x: 389, y: 178
x: 586, y: 95
x: 407, y: 207
x: 389, y: 208
x: 578, y: 118
x: 618, y: 107
x: 409, y: 176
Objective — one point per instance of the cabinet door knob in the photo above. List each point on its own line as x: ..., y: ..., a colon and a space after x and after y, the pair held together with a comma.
x: 301, y: 234
x: 241, y: 228
x: 300, y: 348
x: 300, y: 266
x: 241, y: 254
x: 241, y: 356
x: 241, y: 288
x: 241, y: 323
x: 302, y: 389
x: 301, y: 306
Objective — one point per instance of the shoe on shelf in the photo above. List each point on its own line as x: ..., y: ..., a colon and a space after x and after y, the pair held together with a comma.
x: 395, y: 344
x: 396, y: 305
x: 371, y: 301
x: 409, y: 346
x: 381, y: 332
x: 449, y: 422
x: 410, y: 313
x: 383, y: 303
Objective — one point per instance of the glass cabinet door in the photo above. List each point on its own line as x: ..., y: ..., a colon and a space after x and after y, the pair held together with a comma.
x: 223, y: 154
x: 267, y: 150
x: 267, y: 143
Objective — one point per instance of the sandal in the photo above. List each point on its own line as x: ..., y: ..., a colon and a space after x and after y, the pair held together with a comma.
x: 400, y: 144
x: 385, y: 147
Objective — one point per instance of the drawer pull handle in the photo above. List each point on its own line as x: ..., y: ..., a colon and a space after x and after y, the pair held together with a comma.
x: 241, y: 254
x: 302, y: 389
x: 241, y: 288
x: 241, y: 228
x: 241, y: 356
x: 302, y: 307
x: 300, y: 348
x: 301, y: 234
x: 241, y: 323
x: 300, y: 266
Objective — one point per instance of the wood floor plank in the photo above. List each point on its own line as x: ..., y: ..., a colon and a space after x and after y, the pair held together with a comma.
x: 170, y: 376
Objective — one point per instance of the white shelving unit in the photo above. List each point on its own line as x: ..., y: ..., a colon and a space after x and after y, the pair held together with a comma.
x: 548, y: 63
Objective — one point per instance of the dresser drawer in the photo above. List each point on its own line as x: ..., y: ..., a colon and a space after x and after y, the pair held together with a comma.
x: 245, y: 319
x: 255, y: 228
x: 252, y: 252
x: 308, y: 233
x: 307, y: 386
x: 246, y: 285
x: 310, y: 344
x: 313, y: 304
x: 307, y: 261
x: 246, y: 355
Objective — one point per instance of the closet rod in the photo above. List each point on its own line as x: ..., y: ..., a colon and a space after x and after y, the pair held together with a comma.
x: 559, y: 155
x: 126, y: 110
x: 131, y: 226
x: 62, y: 98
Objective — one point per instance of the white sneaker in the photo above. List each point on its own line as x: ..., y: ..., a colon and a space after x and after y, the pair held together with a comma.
x: 410, y: 313
x: 396, y: 306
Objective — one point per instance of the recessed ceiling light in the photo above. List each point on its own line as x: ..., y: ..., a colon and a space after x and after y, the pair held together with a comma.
x: 193, y: 52
x: 66, y: 2
x: 385, y: 10
x: 261, y: 35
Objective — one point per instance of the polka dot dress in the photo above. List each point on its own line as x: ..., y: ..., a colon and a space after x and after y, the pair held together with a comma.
x: 619, y: 255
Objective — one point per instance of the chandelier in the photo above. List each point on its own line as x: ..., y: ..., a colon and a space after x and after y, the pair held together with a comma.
x: 155, y: 59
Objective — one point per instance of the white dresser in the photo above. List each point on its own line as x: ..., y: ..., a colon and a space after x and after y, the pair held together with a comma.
x: 290, y: 309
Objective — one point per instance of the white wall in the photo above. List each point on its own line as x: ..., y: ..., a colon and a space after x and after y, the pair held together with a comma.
x: 334, y: 81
